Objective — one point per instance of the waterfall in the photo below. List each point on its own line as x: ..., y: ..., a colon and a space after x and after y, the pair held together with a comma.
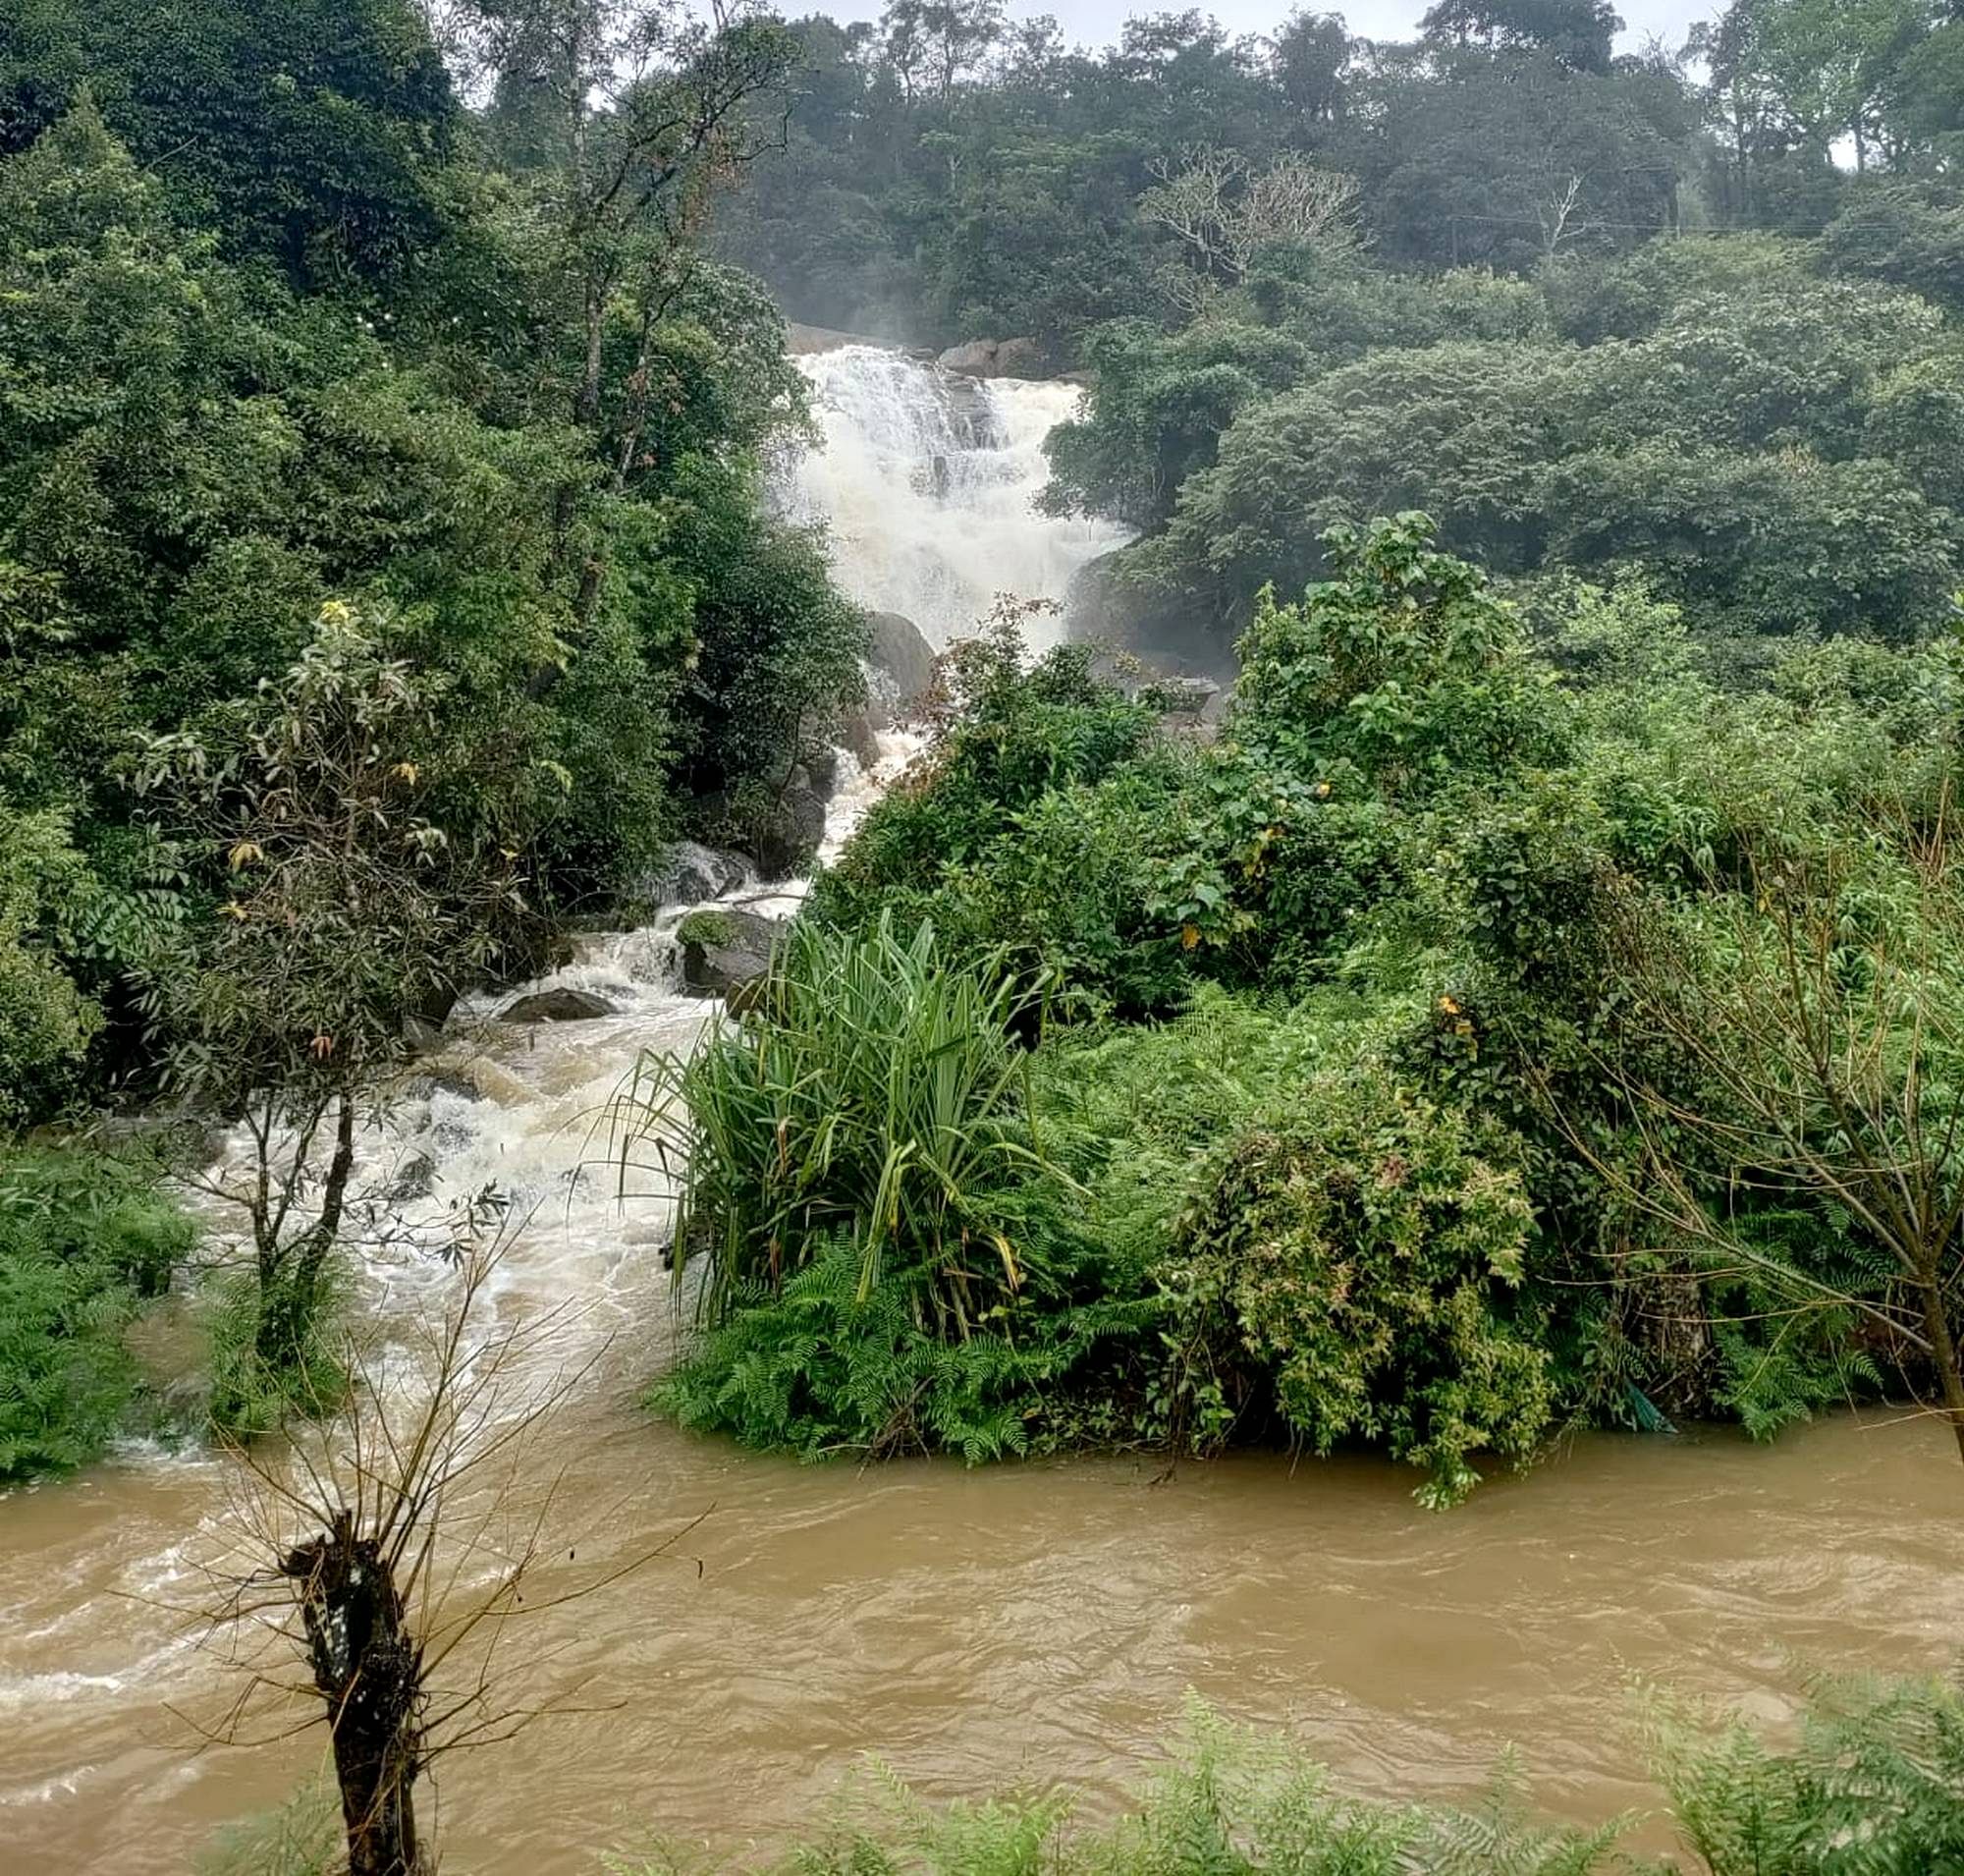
x: 927, y: 481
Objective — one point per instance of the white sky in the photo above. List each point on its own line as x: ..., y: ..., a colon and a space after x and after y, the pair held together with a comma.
x: 1097, y: 22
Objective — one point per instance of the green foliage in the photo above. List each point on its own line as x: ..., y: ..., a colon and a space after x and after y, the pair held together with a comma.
x: 350, y: 112
x: 1402, y: 666
x: 303, y: 1837
x: 84, y: 1242
x: 1227, y: 1801
x: 1766, y: 445
x: 251, y: 1393
x: 199, y: 451
x: 888, y: 1260
x: 874, y: 1094
x: 1358, y: 1259
x: 1874, y: 1788
x: 45, y: 1020
x: 819, y: 1367
x: 705, y: 926
x: 1030, y: 825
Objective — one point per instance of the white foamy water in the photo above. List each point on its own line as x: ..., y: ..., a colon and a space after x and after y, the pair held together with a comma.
x: 928, y: 482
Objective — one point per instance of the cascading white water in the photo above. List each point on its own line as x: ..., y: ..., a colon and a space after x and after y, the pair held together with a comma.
x: 927, y: 487
x: 927, y: 483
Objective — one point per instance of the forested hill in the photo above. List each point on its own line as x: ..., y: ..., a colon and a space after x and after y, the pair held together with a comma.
x: 1689, y: 311
x: 950, y: 172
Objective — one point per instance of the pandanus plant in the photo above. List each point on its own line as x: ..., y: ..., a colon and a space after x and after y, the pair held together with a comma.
x: 875, y: 1091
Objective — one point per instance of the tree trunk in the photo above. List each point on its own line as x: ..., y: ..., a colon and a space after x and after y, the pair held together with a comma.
x: 370, y: 1672
x: 287, y: 1302
x: 1944, y: 1355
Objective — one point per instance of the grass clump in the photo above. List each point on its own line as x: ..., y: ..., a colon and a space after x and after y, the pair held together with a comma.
x: 707, y: 927
x: 887, y: 1254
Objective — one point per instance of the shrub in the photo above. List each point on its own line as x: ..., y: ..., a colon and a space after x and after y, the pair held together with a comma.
x: 705, y: 926
x: 887, y: 1259
x: 250, y: 1395
x: 45, y: 1021
x: 1001, y: 739
x: 1875, y: 1785
x: 874, y: 1095
x: 1349, y: 1266
x: 817, y: 1368
x: 83, y: 1242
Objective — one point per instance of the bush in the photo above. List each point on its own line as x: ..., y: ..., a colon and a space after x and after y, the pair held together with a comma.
x: 1874, y: 1788
x: 1350, y: 1268
x: 45, y: 1021
x: 251, y: 1395
x: 1000, y: 740
x: 84, y: 1242
x: 887, y: 1256
x: 1229, y: 1801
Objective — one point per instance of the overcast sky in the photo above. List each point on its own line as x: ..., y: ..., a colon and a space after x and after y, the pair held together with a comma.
x: 1097, y: 22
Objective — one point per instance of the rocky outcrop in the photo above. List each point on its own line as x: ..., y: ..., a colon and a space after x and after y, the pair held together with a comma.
x: 859, y: 735
x: 726, y: 952
x: 898, y: 653
x: 1110, y: 611
x: 994, y: 358
x: 787, y: 837
x: 781, y: 832
x: 691, y: 874
x: 562, y: 1004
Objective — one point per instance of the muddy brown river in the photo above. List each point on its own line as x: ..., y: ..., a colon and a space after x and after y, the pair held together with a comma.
x: 1018, y: 1625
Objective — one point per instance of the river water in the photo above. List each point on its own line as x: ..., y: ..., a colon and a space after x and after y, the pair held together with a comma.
x: 1019, y: 1623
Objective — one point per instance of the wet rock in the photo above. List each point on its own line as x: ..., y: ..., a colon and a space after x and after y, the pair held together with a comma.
x: 693, y: 874
x: 780, y: 831
x: 994, y: 358
x: 897, y: 651
x: 785, y: 833
x: 562, y: 1004
x: 824, y: 767
x: 415, y: 1179
x: 858, y: 737
x: 725, y: 952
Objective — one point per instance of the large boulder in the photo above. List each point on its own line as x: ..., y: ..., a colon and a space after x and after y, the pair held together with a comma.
x: 779, y: 831
x: 691, y: 874
x: 725, y: 951
x: 994, y: 358
x: 789, y: 836
x: 561, y: 1004
x: 897, y: 651
x: 858, y: 737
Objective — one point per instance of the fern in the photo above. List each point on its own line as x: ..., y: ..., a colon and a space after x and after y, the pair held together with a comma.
x: 1874, y: 1788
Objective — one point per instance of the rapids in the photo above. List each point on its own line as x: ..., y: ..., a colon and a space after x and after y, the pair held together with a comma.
x: 1021, y: 1623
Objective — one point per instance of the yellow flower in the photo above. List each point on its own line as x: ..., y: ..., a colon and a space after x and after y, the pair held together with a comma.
x: 1321, y: 791
x: 1447, y: 1007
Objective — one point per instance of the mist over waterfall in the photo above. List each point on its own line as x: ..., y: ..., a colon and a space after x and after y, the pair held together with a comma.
x: 928, y: 483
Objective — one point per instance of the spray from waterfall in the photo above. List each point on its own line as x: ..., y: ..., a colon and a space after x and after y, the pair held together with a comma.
x: 928, y: 480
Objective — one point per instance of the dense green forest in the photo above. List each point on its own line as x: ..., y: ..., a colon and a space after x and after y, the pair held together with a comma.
x: 1528, y: 996
x: 1528, y: 1006
x: 385, y: 575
